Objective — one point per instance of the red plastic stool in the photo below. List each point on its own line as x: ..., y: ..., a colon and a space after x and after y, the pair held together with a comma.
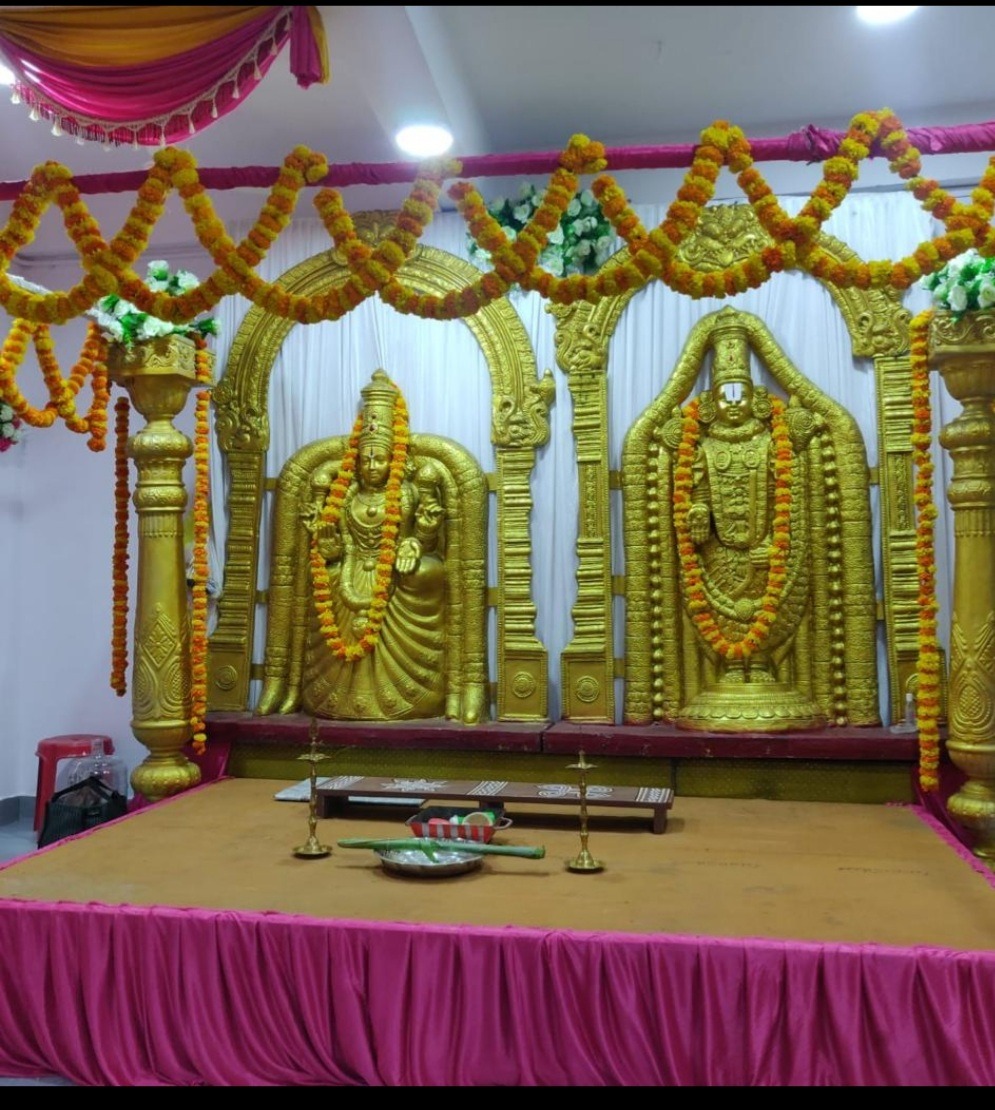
x: 50, y: 753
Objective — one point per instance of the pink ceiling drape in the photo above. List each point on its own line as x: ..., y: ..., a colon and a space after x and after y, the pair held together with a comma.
x: 167, y: 98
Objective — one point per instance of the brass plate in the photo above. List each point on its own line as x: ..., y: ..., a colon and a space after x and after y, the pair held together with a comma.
x: 415, y: 863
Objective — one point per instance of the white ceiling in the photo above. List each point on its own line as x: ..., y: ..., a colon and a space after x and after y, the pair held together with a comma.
x: 525, y: 78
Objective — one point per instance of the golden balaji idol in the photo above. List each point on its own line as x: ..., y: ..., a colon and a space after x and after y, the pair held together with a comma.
x: 378, y: 587
x: 750, y: 582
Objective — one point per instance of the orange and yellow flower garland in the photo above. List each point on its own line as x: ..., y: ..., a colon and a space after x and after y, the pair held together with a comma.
x: 691, y: 570
x: 62, y: 391
x: 332, y: 510
x: 119, y: 569
x: 201, y: 509
x: 653, y: 254
x: 928, y: 662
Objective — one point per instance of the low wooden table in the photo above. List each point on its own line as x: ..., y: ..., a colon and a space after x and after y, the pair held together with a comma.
x: 334, y: 792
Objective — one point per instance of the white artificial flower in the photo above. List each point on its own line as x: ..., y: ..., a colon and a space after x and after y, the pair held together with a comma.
x: 552, y: 261
x: 495, y: 206
x: 941, y: 292
x: 583, y: 249
x: 523, y: 213
x: 185, y: 280
x: 573, y: 208
x: 525, y: 190
x: 986, y: 291
x: 122, y: 308
x: 555, y: 237
x: 958, y: 298
x: 112, y: 328
x: 955, y: 265
x: 7, y: 431
x: 16, y: 435
x: 152, y: 326
x: 587, y: 199
x: 6, y: 413
x: 158, y: 275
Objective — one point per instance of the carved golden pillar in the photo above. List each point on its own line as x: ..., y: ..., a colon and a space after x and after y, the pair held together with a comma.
x: 964, y: 353
x: 158, y: 375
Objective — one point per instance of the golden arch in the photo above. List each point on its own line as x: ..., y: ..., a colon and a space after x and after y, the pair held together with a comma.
x: 520, y: 403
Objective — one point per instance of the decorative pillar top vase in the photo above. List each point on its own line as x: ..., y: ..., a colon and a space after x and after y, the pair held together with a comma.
x: 158, y: 373
x: 967, y: 337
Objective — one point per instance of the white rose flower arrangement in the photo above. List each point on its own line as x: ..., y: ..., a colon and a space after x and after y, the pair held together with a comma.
x: 583, y: 241
x: 965, y: 284
x: 122, y: 322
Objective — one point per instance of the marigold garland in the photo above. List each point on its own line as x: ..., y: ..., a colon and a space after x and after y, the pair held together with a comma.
x: 373, y: 270
x: 653, y: 254
x: 691, y: 569
x: 928, y: 661
x: 62, y: 392
x: 119, y: 569
x: 331, y: 512
x: 198, y: 616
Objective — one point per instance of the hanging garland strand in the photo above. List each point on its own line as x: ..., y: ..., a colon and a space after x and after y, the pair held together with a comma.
x: 201, y: 518
x: 331, y: 512
x: 928, y: 661
x: 119, y: 568
x: 653, y: 254
x: 62, y: 391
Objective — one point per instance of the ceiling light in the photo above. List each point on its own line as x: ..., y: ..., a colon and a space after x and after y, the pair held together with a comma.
x: 885, y: 13
x: 424, y: 140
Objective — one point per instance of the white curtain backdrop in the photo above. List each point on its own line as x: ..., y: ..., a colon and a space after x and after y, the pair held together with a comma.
x: 315, y: 386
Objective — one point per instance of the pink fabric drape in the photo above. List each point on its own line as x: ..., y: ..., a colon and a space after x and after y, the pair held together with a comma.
x: 934, y: 802
x: 167, y: 100
x: 138, y: 997
x: 807, y: 145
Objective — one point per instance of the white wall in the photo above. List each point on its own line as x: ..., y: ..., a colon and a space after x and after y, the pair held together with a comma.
x: 56, y: 548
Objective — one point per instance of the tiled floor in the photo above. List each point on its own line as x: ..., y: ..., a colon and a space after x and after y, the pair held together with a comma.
x: 16, y: 839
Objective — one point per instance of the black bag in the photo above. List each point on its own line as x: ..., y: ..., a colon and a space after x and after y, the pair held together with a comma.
x: 80, y: 807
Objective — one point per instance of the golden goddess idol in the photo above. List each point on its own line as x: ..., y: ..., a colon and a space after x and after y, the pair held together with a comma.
x: 378, y: 588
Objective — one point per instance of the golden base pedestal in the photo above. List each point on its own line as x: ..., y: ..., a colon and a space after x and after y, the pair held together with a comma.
x: 750, y: 707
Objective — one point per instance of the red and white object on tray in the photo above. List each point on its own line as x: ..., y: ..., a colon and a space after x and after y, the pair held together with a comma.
x: 450, y: 823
